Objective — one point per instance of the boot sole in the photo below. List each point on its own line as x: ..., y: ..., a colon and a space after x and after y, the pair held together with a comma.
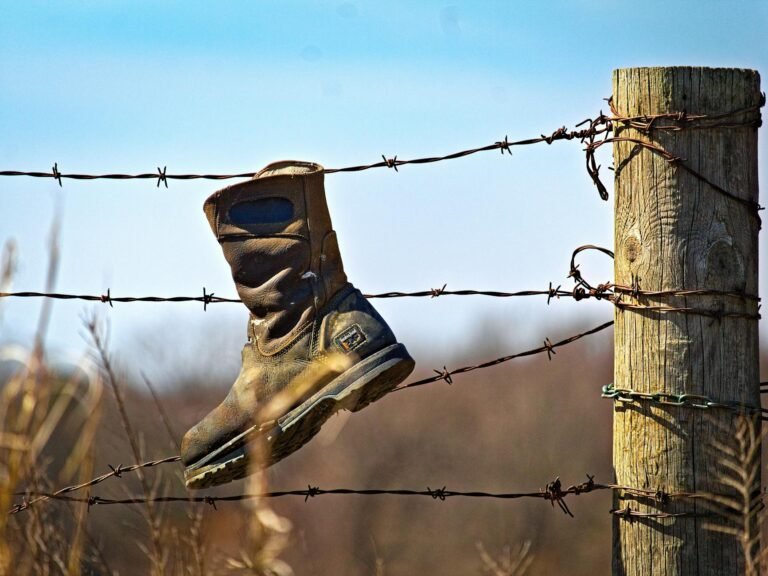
x: 364, y: 383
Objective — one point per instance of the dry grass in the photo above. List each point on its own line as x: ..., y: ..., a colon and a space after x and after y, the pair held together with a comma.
x: 409, y: 439
x: 739, y: 503
x: 35, y: 404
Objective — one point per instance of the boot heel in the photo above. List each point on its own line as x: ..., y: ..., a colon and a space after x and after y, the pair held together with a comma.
x: 366, y: 382
x: 382, y: 379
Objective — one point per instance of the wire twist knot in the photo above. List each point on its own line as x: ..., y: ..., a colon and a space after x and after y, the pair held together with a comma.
x: 435, y: 292
x: 390, y: 162
x: 107, y: 298
x: 438, y: 494
x: 444, y: 374
x: 550, y: 348
x: 504, y: 145
x: 207, y: 299
x: 56, y: 173
x: 553, y: 292
x: 161, y: 176
x: 312, y: 491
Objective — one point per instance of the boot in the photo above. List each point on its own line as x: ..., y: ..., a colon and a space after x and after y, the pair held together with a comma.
x: 315, y: 344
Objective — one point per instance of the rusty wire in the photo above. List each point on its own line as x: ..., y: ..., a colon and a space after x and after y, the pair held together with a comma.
x: 593, y: 136
x: 716, y: 314
x: 647, y: 124
x: 629, y: 514
x: 615, y: 293
x: 679, y: 161
x: 684, y: 121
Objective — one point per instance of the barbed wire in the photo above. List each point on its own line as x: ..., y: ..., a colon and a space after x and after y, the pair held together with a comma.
x: 606, y: 292
x: 211, y: 298
x: 593, y: 136
x: 629, y: 514
x: 505, y: 145
x: 552, y: 492
x: 583, y: 290
x: 647, y: 124
x: 115, y: 472
x: 615, y: 293
x: 547, y: 347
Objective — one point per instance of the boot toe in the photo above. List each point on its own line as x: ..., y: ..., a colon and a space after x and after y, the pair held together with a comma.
x: 194, y: 445
x: 221, y: 425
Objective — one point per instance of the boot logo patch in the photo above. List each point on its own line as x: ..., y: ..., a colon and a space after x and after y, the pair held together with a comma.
x: 350, y: 339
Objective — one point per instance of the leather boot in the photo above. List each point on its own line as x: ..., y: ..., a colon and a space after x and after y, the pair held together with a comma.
x: 315, y: 344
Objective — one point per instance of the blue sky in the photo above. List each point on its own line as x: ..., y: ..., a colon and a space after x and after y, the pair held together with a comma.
x: 232, y: 86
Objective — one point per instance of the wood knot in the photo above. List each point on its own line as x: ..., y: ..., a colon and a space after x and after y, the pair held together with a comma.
x: 725, y: 267
x: 632, y: 249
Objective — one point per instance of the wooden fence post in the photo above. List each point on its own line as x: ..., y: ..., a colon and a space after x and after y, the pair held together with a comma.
x: 676, y: 231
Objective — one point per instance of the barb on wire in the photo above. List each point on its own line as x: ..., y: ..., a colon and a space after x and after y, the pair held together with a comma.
x: 55, y: 174
x: 575, y: 273
x: 162, y: 177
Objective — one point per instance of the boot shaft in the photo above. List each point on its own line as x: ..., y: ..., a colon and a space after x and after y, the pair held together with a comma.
x: 276, y: 234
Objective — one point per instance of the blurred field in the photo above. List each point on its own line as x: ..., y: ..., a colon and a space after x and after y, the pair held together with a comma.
x: 513, y: 427
x: 509, y: 428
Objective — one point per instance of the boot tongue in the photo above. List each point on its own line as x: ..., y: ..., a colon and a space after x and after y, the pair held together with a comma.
x: 288, y: 168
